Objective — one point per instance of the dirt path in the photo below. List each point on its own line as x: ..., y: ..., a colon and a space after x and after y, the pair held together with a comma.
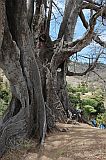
x: 80, y: 142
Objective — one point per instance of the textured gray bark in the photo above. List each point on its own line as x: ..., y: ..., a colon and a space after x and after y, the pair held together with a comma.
x: 26, y: 113
x: 31, y: 62
x: 2, y: 20
x: 30, y: 11
x: 72, y: 9
x: 62, y: 86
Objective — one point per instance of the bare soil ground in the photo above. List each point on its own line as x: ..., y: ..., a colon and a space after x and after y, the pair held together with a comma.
x: 76, y: 142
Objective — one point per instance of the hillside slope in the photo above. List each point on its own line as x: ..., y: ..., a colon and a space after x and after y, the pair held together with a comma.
x: 96, y: 79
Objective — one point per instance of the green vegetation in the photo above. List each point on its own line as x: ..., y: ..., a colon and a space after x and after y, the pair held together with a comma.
x: 91, y: 103
x: 81, y: 97
x: 101, y: 119
x: 5, y: 97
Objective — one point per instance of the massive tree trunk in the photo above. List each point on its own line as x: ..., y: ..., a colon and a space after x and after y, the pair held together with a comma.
x: 39, y: 95
x: 26, y: 114
x: 36, y: 66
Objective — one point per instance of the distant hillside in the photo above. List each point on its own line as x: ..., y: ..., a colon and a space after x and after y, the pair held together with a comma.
x: 93, y: 80
x: 97, y: 80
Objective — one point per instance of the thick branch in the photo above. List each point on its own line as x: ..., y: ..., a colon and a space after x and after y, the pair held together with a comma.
x: 37, y: 11
x: 94, y: 7
x: 86, y: 39
x: 2, y: 20
x: 63, y: 53
x: 90, y: 6
x: 95, y: 36
x: 30, y: 11
x: 49, y: 16
x: 72, y: 8
x: 40, y: 19
x: 37, y: 15
x: 82, y: 17
x: 93, y: 2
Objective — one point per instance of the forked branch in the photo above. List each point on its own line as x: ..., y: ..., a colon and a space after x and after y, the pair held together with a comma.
x: 69, y: 49
x: 86, y: 25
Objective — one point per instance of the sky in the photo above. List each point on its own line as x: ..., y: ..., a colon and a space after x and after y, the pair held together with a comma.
x: 56, y: 19
x: 79, y: 31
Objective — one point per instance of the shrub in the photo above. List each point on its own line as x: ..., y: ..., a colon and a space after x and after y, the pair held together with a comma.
x: 88, y: 110
x: 5, y: 97
x: 91, y: 105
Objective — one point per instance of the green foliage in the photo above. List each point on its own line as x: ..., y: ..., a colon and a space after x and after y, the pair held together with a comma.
x: 100, y: 108
x: 89, y: 101
x: 71, y: 89
x: 88, y: 110
x: 104, y: 118
x: 101, y: 119
x: 74, y: 96
x: 90, y: 104
x: 74, y: 99
x: 83, y: 88
x: 3, y: 106
x: 97, y: 105
x: 5, y: 97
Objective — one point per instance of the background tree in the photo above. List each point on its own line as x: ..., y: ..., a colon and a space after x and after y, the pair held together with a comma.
x: 36, y: 66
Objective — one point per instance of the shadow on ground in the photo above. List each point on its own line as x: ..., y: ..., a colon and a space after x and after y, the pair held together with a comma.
x: 77, y: 142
